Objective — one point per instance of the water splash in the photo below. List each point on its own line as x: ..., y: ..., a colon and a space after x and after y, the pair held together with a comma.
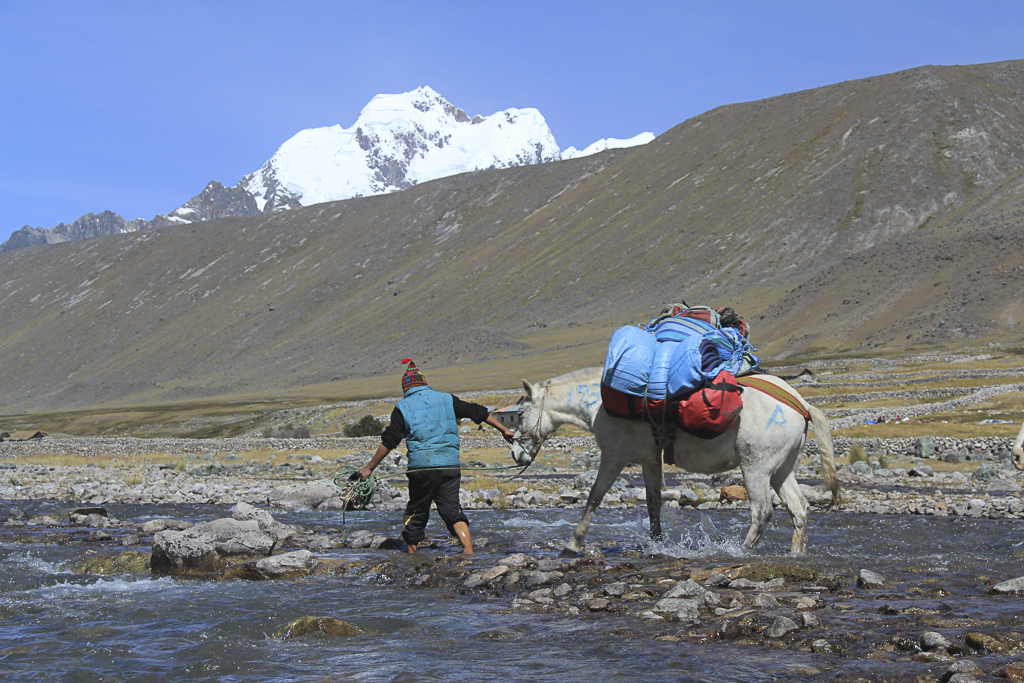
x: 32, y: 564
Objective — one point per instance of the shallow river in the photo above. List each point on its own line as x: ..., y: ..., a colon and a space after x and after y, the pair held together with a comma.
x: 59, y: 626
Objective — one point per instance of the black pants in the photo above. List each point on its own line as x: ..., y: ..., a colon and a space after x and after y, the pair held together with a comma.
x: 440, y: 487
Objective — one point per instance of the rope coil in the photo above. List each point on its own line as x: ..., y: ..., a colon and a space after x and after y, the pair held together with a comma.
x: 357, y: 493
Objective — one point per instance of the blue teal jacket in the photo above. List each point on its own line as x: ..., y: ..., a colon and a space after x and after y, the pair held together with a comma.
x: 433, y: 430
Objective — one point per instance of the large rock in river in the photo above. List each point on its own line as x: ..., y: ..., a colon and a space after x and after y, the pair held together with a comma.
x: 320, y: 626
x: 310, y: 496
x: 106, y: 564
x: 284, y: 566
x: 202, y: 548
x: 243, y: 511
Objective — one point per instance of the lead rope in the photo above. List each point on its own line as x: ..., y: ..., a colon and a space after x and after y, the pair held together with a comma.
x: 359, y: 492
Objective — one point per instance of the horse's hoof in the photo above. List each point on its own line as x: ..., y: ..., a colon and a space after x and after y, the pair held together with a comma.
x: 569, y: 552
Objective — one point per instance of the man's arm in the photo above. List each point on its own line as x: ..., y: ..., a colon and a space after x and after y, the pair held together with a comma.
x: 367, y: 469
x: 390, y: 438
x: 506, y: 433
x: 478, y: 414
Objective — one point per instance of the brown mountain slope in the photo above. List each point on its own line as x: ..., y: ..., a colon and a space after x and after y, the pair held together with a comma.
x: 899, y: 195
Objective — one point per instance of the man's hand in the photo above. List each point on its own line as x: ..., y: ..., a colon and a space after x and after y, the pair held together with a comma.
x: 508, y: 435
x: 364, y: 472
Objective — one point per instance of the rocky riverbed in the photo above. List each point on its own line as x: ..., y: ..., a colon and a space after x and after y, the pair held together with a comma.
x: 877, y: 618
x: 905, y: 618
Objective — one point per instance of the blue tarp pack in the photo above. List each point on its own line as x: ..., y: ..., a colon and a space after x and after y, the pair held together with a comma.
x: 674, y: 357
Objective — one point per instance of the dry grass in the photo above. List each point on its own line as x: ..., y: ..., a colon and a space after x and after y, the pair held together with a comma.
x: 483, y: 483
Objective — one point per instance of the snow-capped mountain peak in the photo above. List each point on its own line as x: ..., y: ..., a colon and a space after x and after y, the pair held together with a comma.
x: 396, y: 142
x: 607, y: 143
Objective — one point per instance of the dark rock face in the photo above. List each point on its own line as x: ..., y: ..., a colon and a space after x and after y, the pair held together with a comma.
x: 217, y: 201
x: 89, y: 225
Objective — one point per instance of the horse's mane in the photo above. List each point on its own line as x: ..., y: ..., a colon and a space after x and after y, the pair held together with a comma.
x: 574, y: 376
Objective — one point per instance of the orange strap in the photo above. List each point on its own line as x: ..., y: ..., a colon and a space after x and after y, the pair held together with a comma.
x: 776, y: 392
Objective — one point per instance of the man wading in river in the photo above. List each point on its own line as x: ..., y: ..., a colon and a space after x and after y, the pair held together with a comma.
x: 428, y: 420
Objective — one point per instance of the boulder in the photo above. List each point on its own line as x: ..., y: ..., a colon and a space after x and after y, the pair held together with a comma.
x: 930, y: 640
x: 484, y: 578
x: 862, y: 469
x: 985, y: 643
x: 781, y: 627
x: 517, y: 560
x: 952, y: 456
x: 320, y: 543
x: 717, y: 580
x: 985, y: 472
x: 675, y: 605
x: 733, y: 493
x: 127, y: 562
x: 201, y: 549
x: 810, y: 620
x: 243, y: 512
x: 543, y: 578
x: 964, y: 667
x: 319, y: 626
x: 1011, y: 587
x: 686, y: 589
x: 869, y: 579
x: 305, y: 497
x: 924, y: 447
x: 616, y: 590
x: 360, y: 539
x: 284, y: 566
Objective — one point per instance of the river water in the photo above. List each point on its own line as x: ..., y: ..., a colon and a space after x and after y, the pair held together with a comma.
x: 62, y: 626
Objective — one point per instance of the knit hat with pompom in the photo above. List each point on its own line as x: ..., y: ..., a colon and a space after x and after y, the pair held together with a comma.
x: 412, y: 377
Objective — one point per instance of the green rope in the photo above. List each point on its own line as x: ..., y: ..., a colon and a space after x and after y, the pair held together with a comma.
x: 358, y: 492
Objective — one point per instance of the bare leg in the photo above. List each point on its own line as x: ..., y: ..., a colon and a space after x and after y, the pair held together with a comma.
x: 410, y: 549
x: 652, y: 482
x: 606, y: 476
x: 462, y: 531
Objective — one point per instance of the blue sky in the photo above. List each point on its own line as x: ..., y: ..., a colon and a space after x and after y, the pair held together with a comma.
x: 135, y: 106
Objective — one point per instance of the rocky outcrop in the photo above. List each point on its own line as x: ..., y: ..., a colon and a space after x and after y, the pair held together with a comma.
x: 284, y: 566
x: 89, y: 225
x: 244, y: 512
x: 203, y: 548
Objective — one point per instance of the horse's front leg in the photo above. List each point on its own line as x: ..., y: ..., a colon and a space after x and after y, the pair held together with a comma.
x: 606, y: 476
x: 652, y: 483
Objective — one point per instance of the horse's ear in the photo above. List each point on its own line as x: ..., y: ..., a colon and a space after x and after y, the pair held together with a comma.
x: 529, y: 389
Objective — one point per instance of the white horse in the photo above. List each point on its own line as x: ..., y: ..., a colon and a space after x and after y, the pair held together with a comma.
x: 766, y: 442
x: 1018, y: 449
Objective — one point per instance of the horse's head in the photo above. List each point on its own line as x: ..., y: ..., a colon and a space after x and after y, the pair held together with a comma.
x: 529, y: 434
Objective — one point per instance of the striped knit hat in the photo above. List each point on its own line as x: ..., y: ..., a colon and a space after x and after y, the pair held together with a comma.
x: 412, y: 377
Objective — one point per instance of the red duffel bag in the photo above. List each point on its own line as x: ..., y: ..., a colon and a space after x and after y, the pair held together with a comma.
x: 711, y: 410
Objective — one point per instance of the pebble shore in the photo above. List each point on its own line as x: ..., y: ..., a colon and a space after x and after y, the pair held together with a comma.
x: 218, y: 472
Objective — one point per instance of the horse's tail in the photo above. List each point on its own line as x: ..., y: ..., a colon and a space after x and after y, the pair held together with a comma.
x: 823, y: 436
